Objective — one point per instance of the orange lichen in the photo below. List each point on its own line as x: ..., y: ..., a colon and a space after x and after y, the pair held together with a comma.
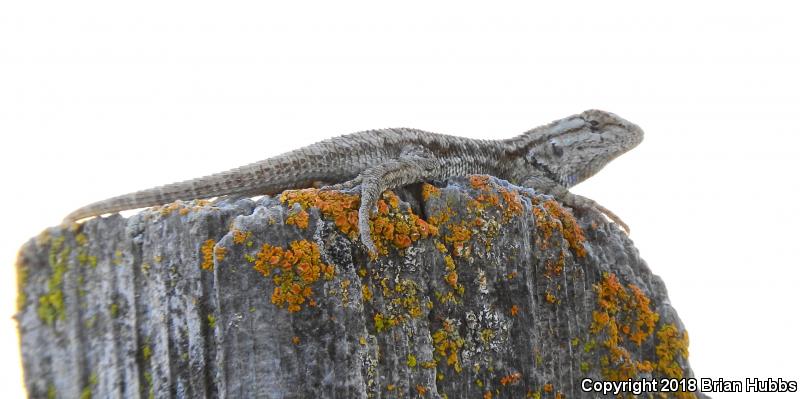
x: 513, y: 203
x: 209, y: 252
x: 366, y: 293
x: 671, y: 345
x: 514, y: 310
x: 390, y: 226
x: 479, y: 181
x: 240, y: 237
x: 569, y: 227
x: 340, y: 207
x: 220, y: 252
x: 512, y: 378
x: 440, y: 218
x: 421, y: 390
x: 293, y: 271
x: 622, y: 313
x: 548, y: 388
x: 491, y: 205
x: 298, y: 218
x: 451, y: 277
x: 458, y: 237
x: 554, y: 269
x: 490, y: 198
x: 183, y: 208
x: 429, y: 191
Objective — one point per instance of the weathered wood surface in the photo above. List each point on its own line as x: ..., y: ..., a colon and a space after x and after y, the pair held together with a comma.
x: 483, y: 290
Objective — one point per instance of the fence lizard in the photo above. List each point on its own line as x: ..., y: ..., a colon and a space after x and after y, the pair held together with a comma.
x: 550, y: 159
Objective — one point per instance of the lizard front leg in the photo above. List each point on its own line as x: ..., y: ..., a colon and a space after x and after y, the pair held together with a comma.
x: 561, y: 193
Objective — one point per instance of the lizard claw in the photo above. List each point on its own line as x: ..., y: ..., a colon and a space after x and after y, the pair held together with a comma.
x: 364, y: 230
x: 578, y: 201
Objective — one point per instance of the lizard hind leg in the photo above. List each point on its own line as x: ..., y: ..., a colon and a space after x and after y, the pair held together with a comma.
x: 400, y: 172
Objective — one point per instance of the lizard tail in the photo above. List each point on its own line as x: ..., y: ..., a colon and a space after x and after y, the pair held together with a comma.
x: 234, y: 181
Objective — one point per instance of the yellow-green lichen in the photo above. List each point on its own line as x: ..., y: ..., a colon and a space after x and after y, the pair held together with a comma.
x: 148, y: 386
x: 366, y: 293
x: 83, y: 256
x: 402, y: 303
x: 212, y: 321
x: 22, y: 279
x: 51, y: 304
x: 447, y: 344
x: 147, y: 351
x: 344, y: 285
x: 86, y: 393
x: 585, y: 367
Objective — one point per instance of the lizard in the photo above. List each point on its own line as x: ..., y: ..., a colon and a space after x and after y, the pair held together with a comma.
x: 550, y: 159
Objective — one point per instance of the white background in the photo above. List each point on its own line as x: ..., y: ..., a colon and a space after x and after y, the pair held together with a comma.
x: 101, y: 98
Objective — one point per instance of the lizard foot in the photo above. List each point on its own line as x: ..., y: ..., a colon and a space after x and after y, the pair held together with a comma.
x: 405, y: 170
x: 370, y: 190
x: 344, y: 185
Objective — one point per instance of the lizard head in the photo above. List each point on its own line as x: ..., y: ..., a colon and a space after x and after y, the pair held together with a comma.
x: 575, y: 148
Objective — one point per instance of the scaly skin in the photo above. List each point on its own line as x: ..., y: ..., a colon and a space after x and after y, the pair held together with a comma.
x: 550, y: 159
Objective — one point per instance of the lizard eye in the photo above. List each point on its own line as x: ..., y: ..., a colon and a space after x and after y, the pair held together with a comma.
x: 557, y: 151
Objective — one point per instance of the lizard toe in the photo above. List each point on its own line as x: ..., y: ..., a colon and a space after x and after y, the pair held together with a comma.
x: 343, y: 186
x: 369, y: 200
